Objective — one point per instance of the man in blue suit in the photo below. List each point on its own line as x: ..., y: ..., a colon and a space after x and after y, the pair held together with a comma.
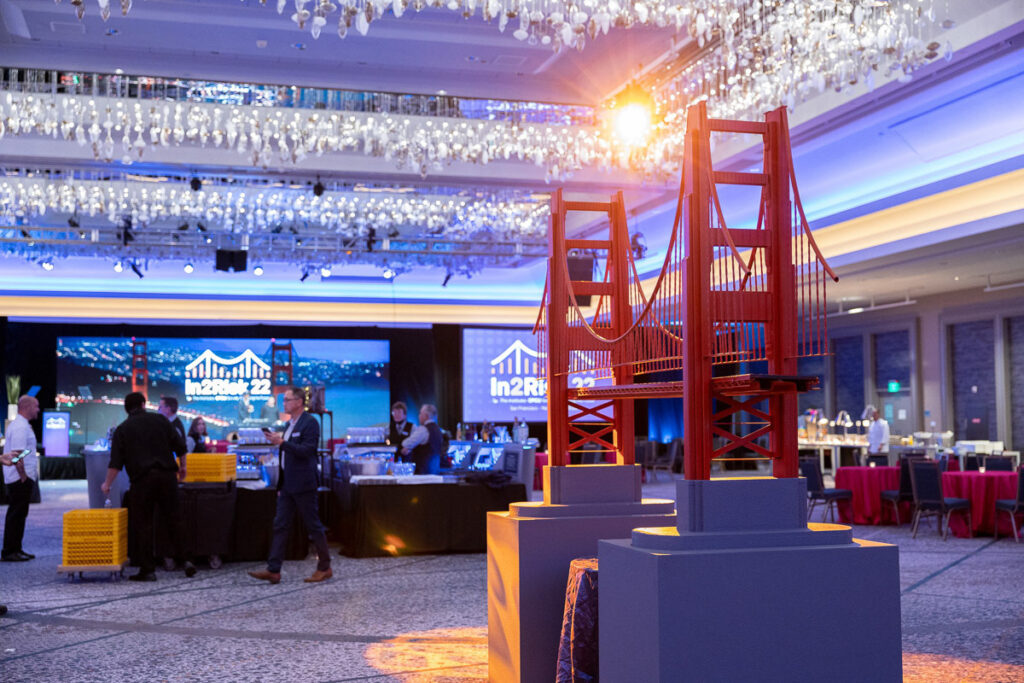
x: 296, y: 487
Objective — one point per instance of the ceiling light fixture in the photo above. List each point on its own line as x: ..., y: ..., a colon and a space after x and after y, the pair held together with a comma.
x: 189, y: 268
x: 325, y: 271
x: 118, y: 266
x: 995, y: 288
x: 389, y: 274
x: 257, y: 271
x: 46, y: 264
x: 872, y: 308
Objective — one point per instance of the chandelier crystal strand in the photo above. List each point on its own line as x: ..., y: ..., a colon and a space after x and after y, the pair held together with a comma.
x: 260, y: 209
x: 125, y: 129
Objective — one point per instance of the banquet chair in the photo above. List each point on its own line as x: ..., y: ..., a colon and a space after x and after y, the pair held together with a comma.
x: 1012, y: 507
x: 971, y: 462
x: 999, y: 463
x: 810, y: 469
x: 926, y: 483
x: 905, y: 492
x: 666, y: 461
x: 880, y: 460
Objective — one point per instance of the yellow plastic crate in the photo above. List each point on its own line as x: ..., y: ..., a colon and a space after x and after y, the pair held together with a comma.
x: 95, y: 538
x: 210, y: 467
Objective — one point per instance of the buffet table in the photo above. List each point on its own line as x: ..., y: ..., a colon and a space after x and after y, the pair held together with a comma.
x: 407, y: 519
x: 867, y: 484
x: 983, y: 489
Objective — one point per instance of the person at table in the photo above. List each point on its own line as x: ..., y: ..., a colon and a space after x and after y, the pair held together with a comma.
x: 20, y: 478
x: 296, y: 488
x: 269, y: 411
x: 424, y: 444
x: 245, y: 408
x: 168, y: 407
x: 145, y: 445
x: 197, y: 436
x: 400, y: 427
x: 878, y: 435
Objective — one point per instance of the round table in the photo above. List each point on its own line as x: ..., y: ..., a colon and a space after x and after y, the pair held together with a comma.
x: 867, y: 484
x: 983, y: 489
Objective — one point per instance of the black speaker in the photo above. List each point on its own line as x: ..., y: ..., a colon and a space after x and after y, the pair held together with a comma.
x: 581, y: 270
x: 232, y: 260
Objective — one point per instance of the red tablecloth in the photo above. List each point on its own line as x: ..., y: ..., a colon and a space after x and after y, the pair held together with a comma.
x: 867, y: 484
x: 540, y: 461
x: 982, y: 490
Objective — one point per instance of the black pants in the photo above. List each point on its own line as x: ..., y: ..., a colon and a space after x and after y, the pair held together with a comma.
x: 305, y: 505
x: 152, y: 490
x: 19, y: 494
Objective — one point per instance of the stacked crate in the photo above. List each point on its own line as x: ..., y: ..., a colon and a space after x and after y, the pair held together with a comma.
x: 210, y: 467
x: 95, y: 540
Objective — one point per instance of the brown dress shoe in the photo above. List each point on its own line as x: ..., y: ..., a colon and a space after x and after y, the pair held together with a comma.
x: 264, y: 575
x: 319, y: 576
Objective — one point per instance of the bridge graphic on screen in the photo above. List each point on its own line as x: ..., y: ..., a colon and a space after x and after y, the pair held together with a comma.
x: 517, y: 359
x: 246, y: 365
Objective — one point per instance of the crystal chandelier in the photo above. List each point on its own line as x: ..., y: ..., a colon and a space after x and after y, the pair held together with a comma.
x: 165, y: 216
x: 122, y: 128
x: 570, y: 23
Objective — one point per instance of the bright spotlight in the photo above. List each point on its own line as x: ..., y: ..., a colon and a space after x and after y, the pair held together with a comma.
x: 47, y: 264
x: 633, y: 116
x: 325, y: 271
x: 257, y: 271
x: 189, y: 268
x: 389, y: 274
x: 118, y: 267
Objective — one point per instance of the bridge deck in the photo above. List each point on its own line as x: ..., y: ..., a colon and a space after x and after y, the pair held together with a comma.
x: 732, y: 385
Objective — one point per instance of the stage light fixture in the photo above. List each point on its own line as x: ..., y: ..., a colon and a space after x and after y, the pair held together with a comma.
x: 318, y: 189
x: 200, y: 227
x: 257, y: 271
x: 196, y: 184
x: 298, y: 243
x: 183, y: 227
x: 447, y: 277
x: 73, y: 222
x: 189, y: 268
x: 209, y: 240
x: 135, y: 269
x: 389, y: 274
x: 325, y: 271
x: 118, y: 266
x: 305, y: 274
x: 26, y: 234
x: 47, y: 264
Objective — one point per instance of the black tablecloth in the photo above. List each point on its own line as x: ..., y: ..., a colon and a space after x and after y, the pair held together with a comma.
x: 377, y: 521
x: 235, y: 523
x: 69, y: 467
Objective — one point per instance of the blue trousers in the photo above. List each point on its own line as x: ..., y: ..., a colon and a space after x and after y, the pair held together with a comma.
x: 305, y: 504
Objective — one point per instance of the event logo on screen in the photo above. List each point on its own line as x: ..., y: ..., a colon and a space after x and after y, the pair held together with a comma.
x: 514, y: 376
x: 212, y: 377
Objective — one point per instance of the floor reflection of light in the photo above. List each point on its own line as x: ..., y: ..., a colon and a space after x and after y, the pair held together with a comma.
x: 443, y: 654
x: 936, y: 668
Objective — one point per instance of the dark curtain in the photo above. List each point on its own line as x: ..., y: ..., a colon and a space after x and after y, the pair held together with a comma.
x: 448, y: 375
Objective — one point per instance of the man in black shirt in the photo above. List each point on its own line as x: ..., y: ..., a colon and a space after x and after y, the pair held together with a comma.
x: 145, y: 445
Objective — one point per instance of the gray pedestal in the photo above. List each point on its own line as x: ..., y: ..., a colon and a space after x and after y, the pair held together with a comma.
x: 529, y: 549
x: 96, y: 463
x: 742, y: 589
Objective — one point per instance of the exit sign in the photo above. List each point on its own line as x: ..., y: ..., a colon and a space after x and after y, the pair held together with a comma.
x: 894, y: 386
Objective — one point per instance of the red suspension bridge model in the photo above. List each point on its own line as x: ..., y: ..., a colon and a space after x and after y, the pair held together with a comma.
x: 724, y: 297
